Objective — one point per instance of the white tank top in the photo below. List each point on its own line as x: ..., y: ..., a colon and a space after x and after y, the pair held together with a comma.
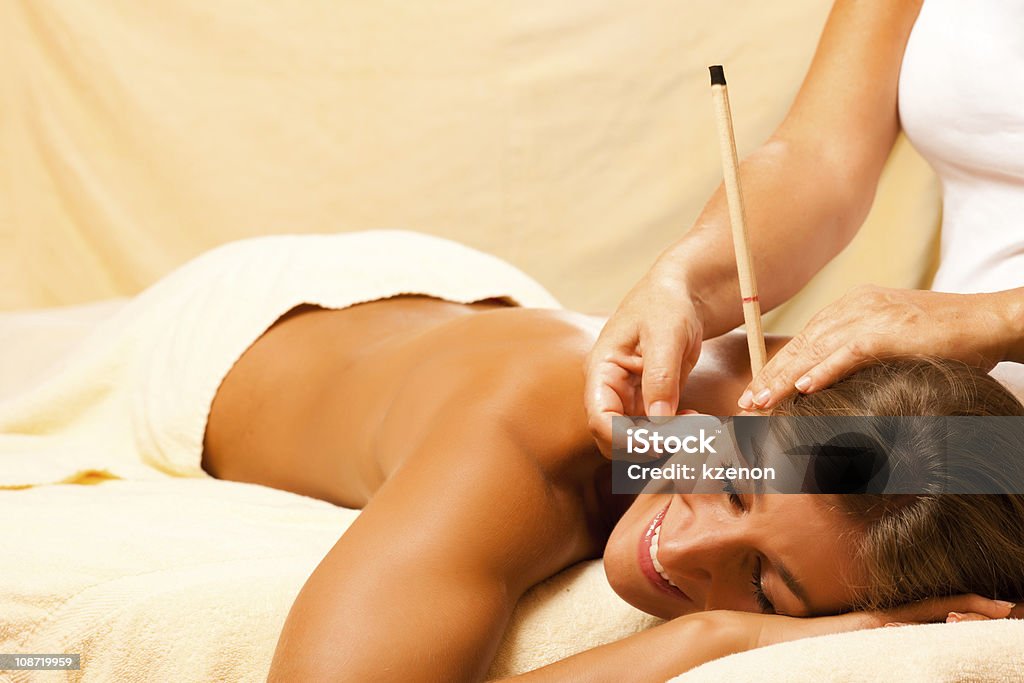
x: 961, y: 104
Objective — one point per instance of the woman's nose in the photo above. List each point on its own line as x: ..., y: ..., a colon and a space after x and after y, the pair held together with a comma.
x: 705, y: 550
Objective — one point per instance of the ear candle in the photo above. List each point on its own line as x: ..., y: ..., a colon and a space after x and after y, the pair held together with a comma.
x: 741, y: 245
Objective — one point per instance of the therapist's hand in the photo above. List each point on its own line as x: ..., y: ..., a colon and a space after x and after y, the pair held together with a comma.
x: 644, y: 354
x: 871, y: 323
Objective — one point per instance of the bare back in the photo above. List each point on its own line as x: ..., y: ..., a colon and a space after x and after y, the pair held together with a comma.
x: 304, y: 408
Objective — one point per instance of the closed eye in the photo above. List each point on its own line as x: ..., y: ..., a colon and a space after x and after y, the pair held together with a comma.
x: 760, y: 597
x: 763, y: 603
x: 734, y: 494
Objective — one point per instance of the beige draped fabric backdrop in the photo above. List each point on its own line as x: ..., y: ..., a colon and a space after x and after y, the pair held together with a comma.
x: 572, y: 138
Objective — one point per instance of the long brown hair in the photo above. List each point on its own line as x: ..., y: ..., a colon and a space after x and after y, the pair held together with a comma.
x: 915, y: 547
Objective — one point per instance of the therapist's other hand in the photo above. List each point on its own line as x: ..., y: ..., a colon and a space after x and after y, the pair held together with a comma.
x: 644, y: 354
x: 871, y: 323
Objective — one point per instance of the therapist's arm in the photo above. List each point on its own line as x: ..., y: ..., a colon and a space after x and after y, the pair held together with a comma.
x: 807, y: 190
x: 871, y: 323
x: 1015, y: 315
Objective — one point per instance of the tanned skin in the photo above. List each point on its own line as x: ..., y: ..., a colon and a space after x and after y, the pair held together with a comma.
x: 460, y: 432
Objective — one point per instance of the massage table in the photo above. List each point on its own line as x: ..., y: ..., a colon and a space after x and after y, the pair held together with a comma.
x: 190, y: 579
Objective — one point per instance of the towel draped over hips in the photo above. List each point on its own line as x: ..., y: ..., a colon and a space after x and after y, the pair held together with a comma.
x: 132, y: 400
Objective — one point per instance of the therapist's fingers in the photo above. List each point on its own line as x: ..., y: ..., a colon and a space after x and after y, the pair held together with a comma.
x: 832, y: 331
x: 612, y: 390
x: 846, y: 359
x: 662, y: 346
x: 793, y: 360
x: 644, y: 353
x: 838, y: 339
x: 813, y: 364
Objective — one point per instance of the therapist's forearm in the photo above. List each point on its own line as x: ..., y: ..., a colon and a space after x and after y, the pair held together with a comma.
x: 1009, y: 305
x: 800, y: 210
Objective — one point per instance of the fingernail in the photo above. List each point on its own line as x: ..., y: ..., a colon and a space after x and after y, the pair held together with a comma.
x: 763, y: 397
x: 954, y: 617
x: 746, y: 400
x: 1004, y: 603
x: 804, y: 383
x: 660, y: 409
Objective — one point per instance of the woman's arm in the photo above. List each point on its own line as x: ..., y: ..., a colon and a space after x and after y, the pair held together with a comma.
x: 657, y: 654
x: 686, y: 642
x: 807, y: 190
x: 421, y: 585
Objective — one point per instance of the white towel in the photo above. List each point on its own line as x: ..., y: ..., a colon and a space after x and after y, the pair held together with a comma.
x: 131, y: 402
x: 972, y: 652
x: 189, y: 578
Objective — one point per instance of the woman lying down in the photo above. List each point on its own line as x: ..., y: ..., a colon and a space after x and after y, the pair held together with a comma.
x: 459, y: 430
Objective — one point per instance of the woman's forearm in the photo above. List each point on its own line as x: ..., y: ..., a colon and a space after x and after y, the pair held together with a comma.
x: 689, y: 641
x: 800, y: 214
x: 658, y: 653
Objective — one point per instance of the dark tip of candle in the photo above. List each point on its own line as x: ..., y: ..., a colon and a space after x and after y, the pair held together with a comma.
x: 717, y: 74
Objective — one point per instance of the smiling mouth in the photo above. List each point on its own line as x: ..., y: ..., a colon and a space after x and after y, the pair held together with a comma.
x: 648, y: 556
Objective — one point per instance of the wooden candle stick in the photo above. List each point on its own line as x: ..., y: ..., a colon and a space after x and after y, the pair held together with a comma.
x: 741, y: 245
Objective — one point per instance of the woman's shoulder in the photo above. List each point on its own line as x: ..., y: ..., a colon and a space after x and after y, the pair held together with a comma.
x: 526, y: 369
x: 517, y: 373
x: 498, y: 398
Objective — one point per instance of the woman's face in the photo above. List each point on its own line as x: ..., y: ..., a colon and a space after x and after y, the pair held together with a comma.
x: 719, y: 549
